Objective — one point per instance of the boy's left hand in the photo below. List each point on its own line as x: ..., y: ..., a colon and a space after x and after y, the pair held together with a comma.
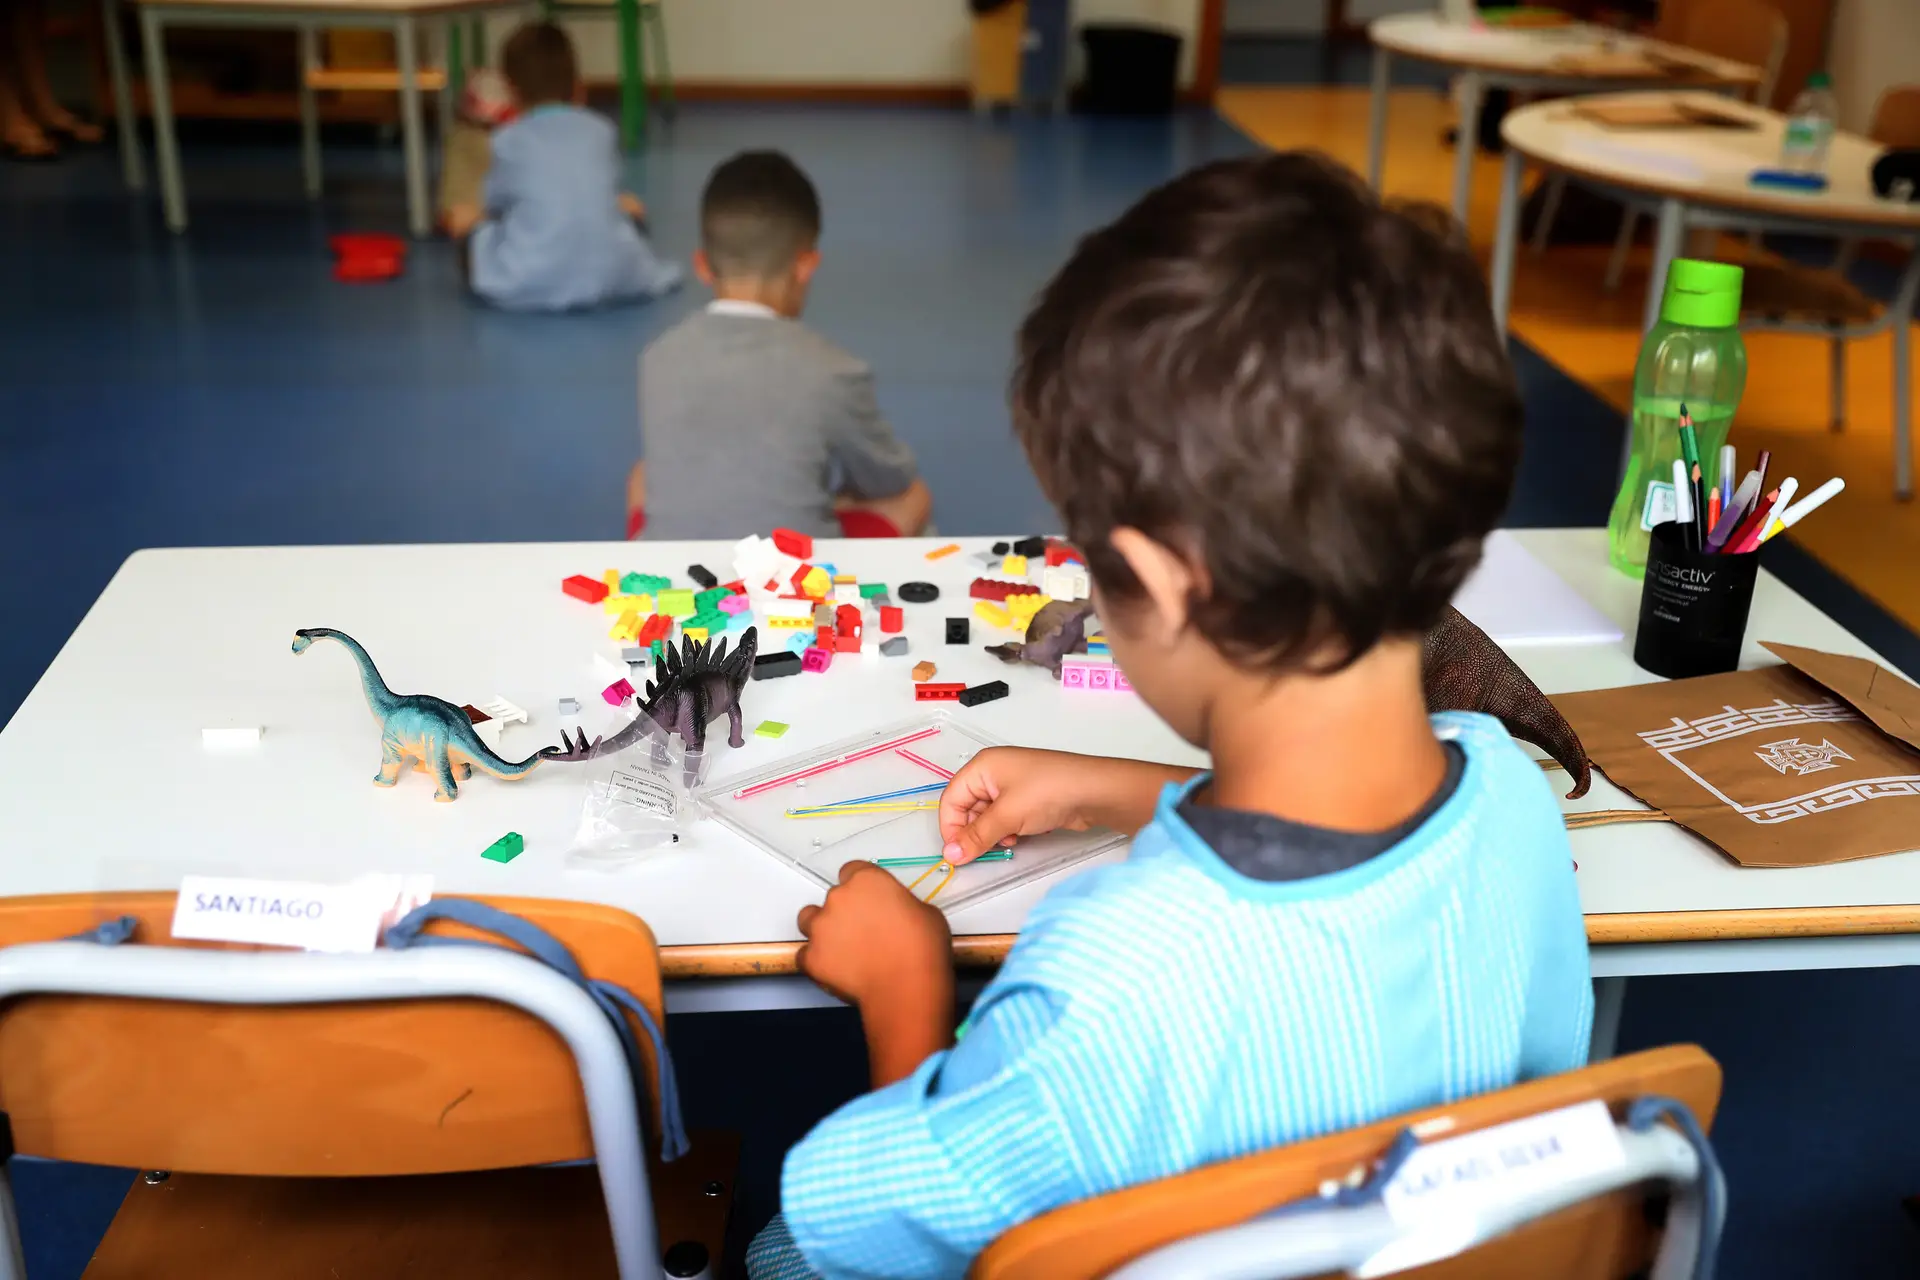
x: 872, y: 937
x: 631, y: 206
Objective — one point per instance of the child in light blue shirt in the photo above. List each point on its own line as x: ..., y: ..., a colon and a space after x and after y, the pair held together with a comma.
x: 556, y: 233
x: 1277, y: 418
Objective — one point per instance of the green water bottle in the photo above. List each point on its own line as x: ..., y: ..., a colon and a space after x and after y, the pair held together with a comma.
x: 1693, y: 356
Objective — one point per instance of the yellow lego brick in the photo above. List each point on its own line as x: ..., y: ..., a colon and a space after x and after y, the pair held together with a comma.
x: 694, y: 633
x: 628, y: 626
x: 612, y: 578
x: 1014, y: 567
x: 816, y: 583
x: 988, y: 611
x: 619, y: 604
x: 1028, y: 605
x: 841, y: 579
x: 789, y: 624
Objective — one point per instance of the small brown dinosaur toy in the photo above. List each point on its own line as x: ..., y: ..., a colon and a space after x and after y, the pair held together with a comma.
x: 1466, y: 671
x: 1057, y: 630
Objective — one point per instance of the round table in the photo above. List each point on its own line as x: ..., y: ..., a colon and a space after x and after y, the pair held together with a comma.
x: 1698, y: 179
x: 1575, y: 58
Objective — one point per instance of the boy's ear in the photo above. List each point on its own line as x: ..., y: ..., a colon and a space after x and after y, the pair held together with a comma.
x: 1167, y: 577
x: 805, y: 265
x: 702, y: 269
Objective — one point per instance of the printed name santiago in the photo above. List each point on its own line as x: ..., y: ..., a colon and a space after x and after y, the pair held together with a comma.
x: 250, y: 905
x: 1476, y: 1167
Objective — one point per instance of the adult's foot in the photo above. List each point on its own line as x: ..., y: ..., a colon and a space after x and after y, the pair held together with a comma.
x: 58, y: 119
x: 25, y: 140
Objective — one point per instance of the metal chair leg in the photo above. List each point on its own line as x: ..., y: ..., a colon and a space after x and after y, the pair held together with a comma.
x: 1837, y: 383
x: 1903, y: 410
x: 1617, y: 264
x: 1549, y: 210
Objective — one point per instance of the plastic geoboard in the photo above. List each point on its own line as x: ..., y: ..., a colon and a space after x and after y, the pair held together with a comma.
x: 757, y: 806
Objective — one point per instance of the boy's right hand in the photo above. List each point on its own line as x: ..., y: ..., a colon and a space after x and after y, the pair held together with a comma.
x: 1004, y: 793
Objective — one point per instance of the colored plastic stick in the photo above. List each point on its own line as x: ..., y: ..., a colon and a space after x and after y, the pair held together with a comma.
x: 835, y: 763
x: 884, y: 795
x: 942, y: 865
x: 925, y: 763
x: 928, y: 860
x: 865, y: 808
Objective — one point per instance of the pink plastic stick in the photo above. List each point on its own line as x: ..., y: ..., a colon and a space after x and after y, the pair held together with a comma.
x: 771, y: 783
x: 925, y: 763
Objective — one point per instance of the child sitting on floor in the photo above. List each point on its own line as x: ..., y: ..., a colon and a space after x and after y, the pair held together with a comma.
x: 750, y: 420
x: 1278, y: 419
x: 553, y: 231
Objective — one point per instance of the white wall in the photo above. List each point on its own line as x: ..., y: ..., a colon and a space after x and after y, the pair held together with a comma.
x: 1305, y: 17
x: 841, y: 42
x: 1875, y: 44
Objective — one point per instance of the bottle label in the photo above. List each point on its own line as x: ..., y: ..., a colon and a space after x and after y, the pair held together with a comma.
x: 1659, y: 507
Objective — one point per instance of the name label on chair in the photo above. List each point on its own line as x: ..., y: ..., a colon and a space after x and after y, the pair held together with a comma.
x: 296, y: 913
x: 1456, y: 1177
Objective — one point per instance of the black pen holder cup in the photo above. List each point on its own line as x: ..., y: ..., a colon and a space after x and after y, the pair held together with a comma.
x: 1693, y: 607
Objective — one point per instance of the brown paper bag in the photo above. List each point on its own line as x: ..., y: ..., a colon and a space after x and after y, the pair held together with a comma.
x: 1814, y: 762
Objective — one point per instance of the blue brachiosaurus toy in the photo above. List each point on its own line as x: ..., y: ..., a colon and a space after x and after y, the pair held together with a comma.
x: 430, y: 731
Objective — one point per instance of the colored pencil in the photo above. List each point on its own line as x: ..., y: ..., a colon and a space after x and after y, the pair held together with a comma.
x: 1766, y: 456
x: 1731, y: 514
x: 1748, y: 533
x: 1690, y: 451
x: 1713, y: 507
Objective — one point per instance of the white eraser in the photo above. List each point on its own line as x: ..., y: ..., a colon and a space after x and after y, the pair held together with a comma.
x: 230, y: 737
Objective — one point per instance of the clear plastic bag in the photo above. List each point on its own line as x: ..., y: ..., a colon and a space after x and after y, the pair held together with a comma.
x: 637, y: 803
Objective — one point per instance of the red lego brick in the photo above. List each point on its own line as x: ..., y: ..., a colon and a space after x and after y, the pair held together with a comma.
x: 581, y: 587
x: 824, y: 637
x: 797, y: 545
x: 799, y: 578
x: 846, y: 644
x: 658, y: 627
x: 994, y: 589
x: 846, y: 620
x: 738, y: 588
x: 938, y: 692
x: 1061, y: 553
x: 892, y: 618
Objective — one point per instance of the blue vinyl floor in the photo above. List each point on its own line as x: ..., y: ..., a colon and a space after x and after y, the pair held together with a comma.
x: 221, y: 388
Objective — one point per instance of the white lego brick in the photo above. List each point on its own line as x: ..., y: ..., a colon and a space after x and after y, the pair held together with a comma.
x: 500, y: 709
x: 1065, y: 582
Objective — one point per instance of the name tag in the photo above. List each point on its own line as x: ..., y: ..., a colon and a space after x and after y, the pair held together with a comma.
x: 310, y: 915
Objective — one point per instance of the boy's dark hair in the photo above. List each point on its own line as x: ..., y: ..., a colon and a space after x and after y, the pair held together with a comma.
x: 1263, y: 367
x: 538, y: 62
x: 758, y: 213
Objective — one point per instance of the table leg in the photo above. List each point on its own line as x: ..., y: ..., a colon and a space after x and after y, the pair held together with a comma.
x: 1506, y: 236
x: 132, y: 169
x: 407, y: 48
x: 1377, y: 121
x: 1609, y: 998
x: 633, y: 75
x: 449, y: 60
x: 456, y: 66
x: 1466, y: 143
x: 1901, y: 309
x: 173, y: 196
x: 309, y: 114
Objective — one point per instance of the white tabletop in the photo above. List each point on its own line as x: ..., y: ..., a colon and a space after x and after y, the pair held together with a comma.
x: 104, y: 783
x: 343, y: 10
x: 1541, y: 51
x: 1706, y: 167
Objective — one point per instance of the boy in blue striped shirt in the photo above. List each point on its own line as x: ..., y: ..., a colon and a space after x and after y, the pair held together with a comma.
x: 1277, y: 418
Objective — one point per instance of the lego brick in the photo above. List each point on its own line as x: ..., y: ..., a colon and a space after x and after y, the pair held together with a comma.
x: 626, y: 627
x: 569, y: 706
x: 702, y: 575
x: 987, y: 611
x: 635, y: 584
x: 1033, y: 546
x: 868, y: 590
x: 823, y: 636
x: 475, y: 715
x: 659, y: 649
x: 1065, y: 581
x: 799, y: 642
x: 816, y: 659
x: 958, y: 632
x: 617, y: 605
x: 506, y: 848
x: 923, y: 671
x: 994, y: 589
x: 502, y: 710
x: 1001, y: 549
x: 830, y: 569
x: 919, y: 592
x: 1014, y: 566
x: 846, y: 619
x: 633, y: 655
x: 941, y: 552
x: 769, y: 729
x: 790, y: 543
x: 581, y: 587
x: 735, y: 604
x: 895, y: 647
x: 1078, y: 671
x: 845, y: 580
x: 938, y: 692
x: 617, y: 692
x: 712, y: 623
x: 612, y: 578
x: 846, y: 644
x: 771, y: 666
x: 846, y: 593
x: 694, y: 633
x: 710, y: 598
x: 1061, y: 553
x: 992, y: 691
x: 786, y: 624
x: 676, y: 602
x: 231, y: 737
x: 812, y: 581
x: 881, y: 601
x: 893, y: 618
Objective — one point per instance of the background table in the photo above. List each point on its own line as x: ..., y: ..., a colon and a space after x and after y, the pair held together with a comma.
x: 104, y: 784
x: 404, y: 18
x: 1698, y: 180
x: 1520, y: 59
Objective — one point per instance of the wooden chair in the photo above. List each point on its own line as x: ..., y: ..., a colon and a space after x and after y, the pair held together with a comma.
x: 1135, y: 1232
x: 1788, y: 298
x: 330, y: 1115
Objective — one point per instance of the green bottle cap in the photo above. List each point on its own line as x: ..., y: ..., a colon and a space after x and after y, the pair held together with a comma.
x: 1819, y: 80
x: 1705, y: 295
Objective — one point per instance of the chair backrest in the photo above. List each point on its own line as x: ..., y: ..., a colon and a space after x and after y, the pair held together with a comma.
x: 1606, y: 1237
x: 398, y: 1087
x: 1749, y: 31
x: 1896, y: 117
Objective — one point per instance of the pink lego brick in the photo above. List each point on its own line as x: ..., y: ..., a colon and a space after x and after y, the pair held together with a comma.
x: 816, y: 659
x: 734, y: 604
x: 617, y: 692
x: 1073, y: 676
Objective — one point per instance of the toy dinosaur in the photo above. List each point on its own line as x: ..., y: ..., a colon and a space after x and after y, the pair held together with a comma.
x: 431, y: 732
x: 1058, y: 629
x: 699, y: 683
x: 1464, y: 670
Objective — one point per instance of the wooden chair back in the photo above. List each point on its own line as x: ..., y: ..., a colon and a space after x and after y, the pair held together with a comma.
x: 346, y: 1090
x: 1896, y: 117
x: 1749, y: 31
x: 1606, y: 1237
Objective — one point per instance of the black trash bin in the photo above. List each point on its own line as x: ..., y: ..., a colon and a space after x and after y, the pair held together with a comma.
x: 1131, y: 70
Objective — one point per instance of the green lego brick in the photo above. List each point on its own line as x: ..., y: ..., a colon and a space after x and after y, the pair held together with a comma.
x: 769, y: 729
x: 659, y: 648
x: 712, y: 596
x: 643, y: 584
x: 868, y: 590
x: 506, y: 848
x: 675, y: 602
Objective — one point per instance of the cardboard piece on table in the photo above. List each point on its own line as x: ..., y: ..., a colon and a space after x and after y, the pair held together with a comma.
x: 1791, y: 766
x: 1660, y: 113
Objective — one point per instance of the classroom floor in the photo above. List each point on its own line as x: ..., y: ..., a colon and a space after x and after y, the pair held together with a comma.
x: 223, y: 389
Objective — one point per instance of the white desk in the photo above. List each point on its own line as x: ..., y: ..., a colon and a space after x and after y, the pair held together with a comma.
x: 104, y: 784
x: 1698, y: 179
x: 1572, y: 59
x: 405, y: 18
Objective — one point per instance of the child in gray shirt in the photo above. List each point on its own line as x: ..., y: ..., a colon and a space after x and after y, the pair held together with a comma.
x: 750, y: 420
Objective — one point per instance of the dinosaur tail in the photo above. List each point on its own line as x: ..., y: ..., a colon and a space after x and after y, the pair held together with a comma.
x: 481, y: 756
